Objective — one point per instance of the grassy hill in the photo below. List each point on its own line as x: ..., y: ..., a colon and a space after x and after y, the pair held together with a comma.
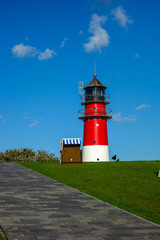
x: 133, y: 186
x: 1, y: 235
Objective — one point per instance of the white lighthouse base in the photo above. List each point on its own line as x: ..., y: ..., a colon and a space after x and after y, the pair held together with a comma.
x: 95, y: 153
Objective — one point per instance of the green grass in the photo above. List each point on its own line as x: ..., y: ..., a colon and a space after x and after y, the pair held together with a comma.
x: 133, y: 186
x: 1, y: 235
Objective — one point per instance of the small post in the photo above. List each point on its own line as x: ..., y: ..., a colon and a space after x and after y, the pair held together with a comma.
x: 159, y: 173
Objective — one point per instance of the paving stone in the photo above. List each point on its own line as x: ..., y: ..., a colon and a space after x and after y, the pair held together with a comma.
x: 34, y: 207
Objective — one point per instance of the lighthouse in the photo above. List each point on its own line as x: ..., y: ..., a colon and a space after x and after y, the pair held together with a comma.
x: 95, y: 116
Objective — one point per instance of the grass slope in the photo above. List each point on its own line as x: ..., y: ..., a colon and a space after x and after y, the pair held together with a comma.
x: 2, y: 236
x: 133, y: 186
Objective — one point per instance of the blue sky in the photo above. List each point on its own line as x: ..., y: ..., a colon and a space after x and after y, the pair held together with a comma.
x: 47, y: 47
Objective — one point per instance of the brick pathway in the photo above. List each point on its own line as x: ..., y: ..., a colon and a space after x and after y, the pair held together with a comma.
x: 35, y: 207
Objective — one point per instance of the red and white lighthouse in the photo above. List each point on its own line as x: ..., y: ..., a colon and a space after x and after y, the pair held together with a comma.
x: 95, y: 116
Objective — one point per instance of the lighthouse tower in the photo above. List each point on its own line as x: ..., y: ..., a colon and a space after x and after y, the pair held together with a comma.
x: 95, y: 116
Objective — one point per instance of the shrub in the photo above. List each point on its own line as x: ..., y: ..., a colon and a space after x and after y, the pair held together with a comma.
x: 44, y: 156
x: 26, y: 155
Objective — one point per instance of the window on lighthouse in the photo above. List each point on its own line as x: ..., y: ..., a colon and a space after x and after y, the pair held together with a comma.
x: 102, y: 92
x: 95, y: 94
x: 94, y: 91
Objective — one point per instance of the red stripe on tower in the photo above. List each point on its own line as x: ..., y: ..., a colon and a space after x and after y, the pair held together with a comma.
x: 95, y: 116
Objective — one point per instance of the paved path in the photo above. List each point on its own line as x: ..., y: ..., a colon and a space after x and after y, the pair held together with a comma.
x: 35, y: 207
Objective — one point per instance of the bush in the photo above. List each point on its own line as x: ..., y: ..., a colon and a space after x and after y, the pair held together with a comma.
x: 44, y: 156
x: 27, y: 155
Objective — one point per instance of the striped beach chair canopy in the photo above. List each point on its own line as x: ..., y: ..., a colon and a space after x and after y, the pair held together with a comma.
x: 72, y: 141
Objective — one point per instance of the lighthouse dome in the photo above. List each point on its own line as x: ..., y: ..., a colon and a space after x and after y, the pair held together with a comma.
x: 95, y: 83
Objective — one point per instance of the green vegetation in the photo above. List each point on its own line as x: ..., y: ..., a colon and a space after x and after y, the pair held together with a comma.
x: 27, y: 155
x: 2, y: 236
x: 133, y: 186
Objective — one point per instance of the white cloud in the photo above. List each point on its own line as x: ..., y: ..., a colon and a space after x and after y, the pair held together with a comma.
x: 99, y: 4
x: 100, y: 36
x: 34, y: 123
x: 119, y: 118
x: 136, y: 55
x: 121, y: 17
x: 2, y: 119
x: 142, y: 106
x: 63, y: 42
x: 26, y: 117
x: 104, y: 3
x: 47, y: 54
x: 21, y: 51
x: 81, y: 32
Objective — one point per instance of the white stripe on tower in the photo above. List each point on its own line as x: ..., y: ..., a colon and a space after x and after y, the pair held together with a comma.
x: 95, y: 153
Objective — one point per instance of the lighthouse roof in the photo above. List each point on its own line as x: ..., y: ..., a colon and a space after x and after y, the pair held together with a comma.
x: 95, y: 83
